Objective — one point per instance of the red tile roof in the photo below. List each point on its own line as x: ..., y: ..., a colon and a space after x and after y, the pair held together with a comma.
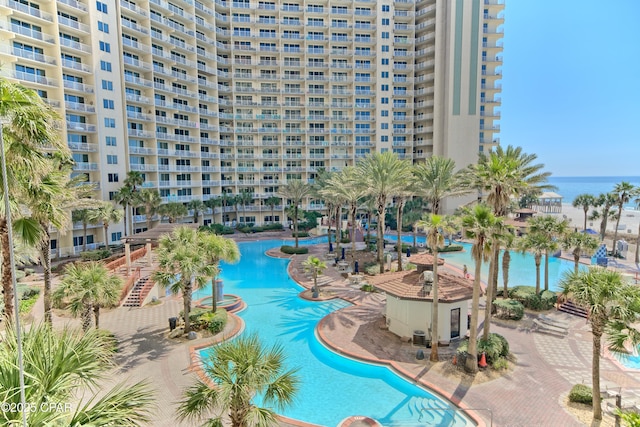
x: 407, y: 285
x: 424, y: 259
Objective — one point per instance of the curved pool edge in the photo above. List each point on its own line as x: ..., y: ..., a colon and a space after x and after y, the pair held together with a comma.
x: 396, y: 368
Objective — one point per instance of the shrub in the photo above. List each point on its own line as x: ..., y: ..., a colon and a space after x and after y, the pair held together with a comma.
x: 367, y: 288
x: 501, y: 364
x: 509, y: 309
x: 217, y: 229
x: 203, y: 318
x: 450, y: 248
x: 372, y: 269
x: 345, y: 240
x: 528, y: 297
x: 29, y: 271
x: 30, y: 293
x: 292, y: 250
x: 495, y: 348
x: 300, y: 234
x: 405, y: 246
x: 97, y: 255
x: 581, y: 393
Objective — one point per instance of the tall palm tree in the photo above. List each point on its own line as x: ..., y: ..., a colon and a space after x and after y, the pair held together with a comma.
x: 624, y: 192
x: 218, y: 248
x: 133, y: 181
x: 60, y: 365
x: 198, y: 207
x: 105, y: 214
x: 125, y: 197
x: 173, y: 211
x: 295, y: 192
x: 578, y: 243
x: 82, y: 216
x: 613, y: 306
x: 437, y: 179
x: 213, y: 203
x: 384, y: 175
x: 245, y: 197
x: 400, y: 200
x: 537, y: 243
x: 86, y: 288
x: 226, y: 200
x: 584, y: 201
x: 432, y: 225
x: 150, y: 201
x: 551, y: 229
x: 496, y: 237
x: 605, y: 202
x: 478, y: 225
x: 183, y: 265
x: 315, y: 266
x: 508, y: 241
x: 29, y: 127
x: 272, y: 202
x: 243, y: 370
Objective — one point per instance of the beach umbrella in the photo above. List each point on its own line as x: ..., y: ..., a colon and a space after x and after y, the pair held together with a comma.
x: 408, y: 252
x: 355, y: 268
x: 330, y: 247
x: 342, y: 253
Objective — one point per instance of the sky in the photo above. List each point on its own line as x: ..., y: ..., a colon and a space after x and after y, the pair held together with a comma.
x: 571, y: 84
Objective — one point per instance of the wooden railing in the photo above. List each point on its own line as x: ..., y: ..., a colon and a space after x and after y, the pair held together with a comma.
x: 135, y: 255
x: 128, y: 284
x: 145, y: 290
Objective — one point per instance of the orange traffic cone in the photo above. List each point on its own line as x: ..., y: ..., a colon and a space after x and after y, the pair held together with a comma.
x: 483, y: 361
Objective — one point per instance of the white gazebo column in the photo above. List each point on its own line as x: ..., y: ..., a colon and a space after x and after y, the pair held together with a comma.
x: 149, y: 261
x: 127, y: 256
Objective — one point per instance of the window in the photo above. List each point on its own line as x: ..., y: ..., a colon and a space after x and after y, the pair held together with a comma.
x: 109, y: 123
x: 384, y: 113
x: 112, y: 177
x: 108, y: 104
x: 385, y: 21
x: 384, y: 138
x: 384, y: 100
x: 385, y: 61
x: 116, y: 236
x: 384, y: 125
x: 112, y: 195
x: 384, y: 88
x: 385, y: 34
x: 385, y: 48
x: 385, y: 8
x: 105, y: 47
x: 112, y: 159
x: 384, y: 74
x: 111, y: 141
x: 105, y: 66
x: 104, y: 27
x: 107, y: 85
x: 101, y: 7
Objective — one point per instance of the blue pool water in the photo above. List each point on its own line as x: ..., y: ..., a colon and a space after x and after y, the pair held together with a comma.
x: 630, y: 361
x: 521, y: 270
x: 333, y: 387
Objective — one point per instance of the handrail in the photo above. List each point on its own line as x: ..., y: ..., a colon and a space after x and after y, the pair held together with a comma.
x: 128, y: 285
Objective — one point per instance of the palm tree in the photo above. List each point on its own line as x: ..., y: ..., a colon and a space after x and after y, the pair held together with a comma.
x: 508, y: 240
x: 105, y: 214
x: 218, y: 248
x: 150, y: 201
x: 243, y: 370
x: 606, y: 201
x: 173, y: 211
x: 83, y: 216
x: 478, y: 225
x: 437, y: 180
x: 384, y: 175
x: 134, y: 180
x: 213, y: 203
x: 637, y: 257
x: 584, y: 201
x: 86, y: 288
x: 198, y: 207
x: 314, y: 266
x: 183, y: 265
x: 624, y: 191
x: 59, y: 367
x: 295, y: 191
x: 125, y: 197
x: 29, y: 126
x: 578, y: 243
x: 226, y: 200
x: 538, y: 244
x: 551, y: 229
x: 496, y: 236
x: 245, y: 197
x: 613, y: 306
x: 272, y: 202
x: 432, y: 225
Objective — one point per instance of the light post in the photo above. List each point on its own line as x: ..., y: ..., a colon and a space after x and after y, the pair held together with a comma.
x: 16, y: 301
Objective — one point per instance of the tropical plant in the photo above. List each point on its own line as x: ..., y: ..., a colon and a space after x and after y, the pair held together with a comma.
x: 105, y: 214
x: 536, y: 243
x: 82, y: 216
x: 29, y: 130
x: 605, y: 202
x: 584, y: 201
x: 551, y: 229
x: 432, y: 225
x: 578, y: 243
x: 496, y: 237
x: 150, y: 201
x: 59, y: 366
x: 125, y: 197
x: 384, y: 175
x: 86, y: 288
x: 183, y: 265
x: 218, y: 248
x: 508, y: 241
x: 437, y: 179
x: 295, y: 192
x: 197, y: 206
x: 243, y: 371
x: 400, y: 201
x: 624, y: 192
x: 613, y: 306
x: 172, y: 211
x: 315, y: 267
x: 478, y: 225
x: 245, y: 197
x: 272, y: 202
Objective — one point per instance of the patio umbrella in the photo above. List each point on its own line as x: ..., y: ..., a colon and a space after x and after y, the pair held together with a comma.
x: 342, y: 253
x: 330, y: 247
x: 355, y: 268
x: 590, y: 231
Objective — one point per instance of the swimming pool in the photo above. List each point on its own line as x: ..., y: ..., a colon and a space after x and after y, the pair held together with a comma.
x: 333, y: 387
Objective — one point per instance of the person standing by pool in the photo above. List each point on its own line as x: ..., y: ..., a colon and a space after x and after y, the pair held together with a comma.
x: 465, y: 271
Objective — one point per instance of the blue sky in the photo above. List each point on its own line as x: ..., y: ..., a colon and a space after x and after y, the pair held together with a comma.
x: 571, y: 84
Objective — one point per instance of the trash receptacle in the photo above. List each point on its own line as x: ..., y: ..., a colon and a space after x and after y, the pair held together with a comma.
x: 173, y: 321
x: 419, y: 337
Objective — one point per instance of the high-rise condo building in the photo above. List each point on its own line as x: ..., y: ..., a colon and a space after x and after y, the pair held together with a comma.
x: 205, y: 98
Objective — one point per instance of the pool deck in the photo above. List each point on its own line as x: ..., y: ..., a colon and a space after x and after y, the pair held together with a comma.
x: 530, y: 395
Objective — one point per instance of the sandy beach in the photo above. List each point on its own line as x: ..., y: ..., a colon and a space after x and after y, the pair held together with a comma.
x: 628, y: 228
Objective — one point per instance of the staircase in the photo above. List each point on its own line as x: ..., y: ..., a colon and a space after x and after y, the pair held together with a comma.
x: 571, y: 308
x: 135, y: 297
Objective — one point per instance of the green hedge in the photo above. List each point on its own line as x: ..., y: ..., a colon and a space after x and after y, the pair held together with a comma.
x: 292, y: 250
x: 202, y: 318
x: 546, y: 300
x: 405, y: 246
x: 581, y: 393
x: 495, y: 348
x: 217, y: 229
x: 96, y: 255
x: 300, y: 234
x: 249, y: 228
x: 450, y: 248
x: 509, y: 309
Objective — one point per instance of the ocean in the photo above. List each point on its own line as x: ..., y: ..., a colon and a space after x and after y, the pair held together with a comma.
x: 571, y: 186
